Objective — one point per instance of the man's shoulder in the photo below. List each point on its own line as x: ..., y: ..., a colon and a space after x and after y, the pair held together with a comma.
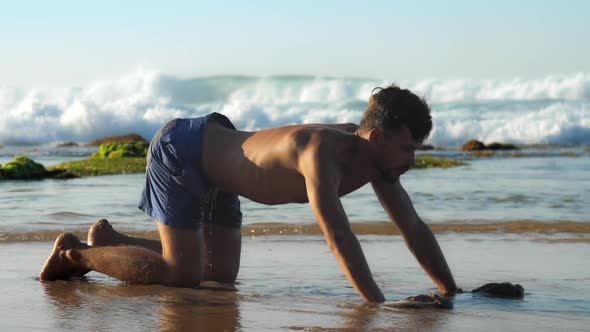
x: 328, y: 143
x: 330, y: 135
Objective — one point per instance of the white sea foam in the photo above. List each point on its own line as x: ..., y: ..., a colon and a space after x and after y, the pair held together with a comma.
x: 549, y: 110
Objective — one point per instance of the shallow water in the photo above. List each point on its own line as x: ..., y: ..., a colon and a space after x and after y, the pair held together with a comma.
x: 549, y: 189
x: 522, y: 220
x: 294, y: 283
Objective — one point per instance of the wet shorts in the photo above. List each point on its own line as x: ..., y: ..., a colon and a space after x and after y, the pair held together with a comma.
x: 176, y: 191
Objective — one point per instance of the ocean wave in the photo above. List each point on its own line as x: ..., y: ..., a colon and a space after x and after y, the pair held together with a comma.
x: 551, y: 110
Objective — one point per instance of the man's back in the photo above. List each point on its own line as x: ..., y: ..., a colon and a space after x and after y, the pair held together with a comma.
x: 265, y: 166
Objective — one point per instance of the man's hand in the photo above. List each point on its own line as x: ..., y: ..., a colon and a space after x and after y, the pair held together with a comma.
x: 416, y: 233
x: 322, y: 181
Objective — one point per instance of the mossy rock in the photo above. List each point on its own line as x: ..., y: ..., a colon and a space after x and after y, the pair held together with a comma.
x: 1, y: 146
x: 434, y: 162
x: 129, y: 138
x: 137, y: 149
x: 23, y: 168
x: 473, y: 145
x: 100, y: 166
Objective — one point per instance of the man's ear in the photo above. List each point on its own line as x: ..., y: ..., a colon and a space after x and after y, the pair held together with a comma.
x: 375, y: 134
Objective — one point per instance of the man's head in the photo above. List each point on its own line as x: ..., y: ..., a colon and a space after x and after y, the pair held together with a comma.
x: 390, y: 109
x: 395, y: 123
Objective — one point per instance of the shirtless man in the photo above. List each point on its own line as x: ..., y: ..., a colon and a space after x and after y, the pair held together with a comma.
x: 197, y: 167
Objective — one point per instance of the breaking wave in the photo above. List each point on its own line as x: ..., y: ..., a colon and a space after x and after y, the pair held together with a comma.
x: 551, y: 110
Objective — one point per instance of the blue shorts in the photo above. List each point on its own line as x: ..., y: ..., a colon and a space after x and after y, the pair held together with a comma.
x: 177, y: 192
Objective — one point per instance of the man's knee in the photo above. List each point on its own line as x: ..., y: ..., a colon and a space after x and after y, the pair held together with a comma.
x: 183, y: 277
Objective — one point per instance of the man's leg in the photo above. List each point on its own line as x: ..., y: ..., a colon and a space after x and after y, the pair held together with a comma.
x: 221, y: 252
x: 178, y: 265
x: 103, y: 234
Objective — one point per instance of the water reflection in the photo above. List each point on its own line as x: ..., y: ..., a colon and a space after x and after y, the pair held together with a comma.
x: 367, y: 317
x: 87, y: 305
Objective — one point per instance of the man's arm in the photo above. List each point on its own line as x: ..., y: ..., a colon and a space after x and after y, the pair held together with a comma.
x: 416, y: 233
x: 322, y: 180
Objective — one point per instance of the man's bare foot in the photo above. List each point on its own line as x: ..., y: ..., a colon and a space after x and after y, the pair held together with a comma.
x: 58, y: 265
x: 102, y: 234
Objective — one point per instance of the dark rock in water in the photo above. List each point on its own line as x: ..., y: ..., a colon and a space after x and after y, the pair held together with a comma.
x: 129, y: 138
x: 503, y: 289
x: 426, y: 147
x: 501, y: 146
x: 424, y: 302
x: 67, y: 145
x: 473, y: 145
x: 23, y: 168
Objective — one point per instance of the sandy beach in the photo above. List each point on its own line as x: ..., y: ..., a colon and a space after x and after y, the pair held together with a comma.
x: 293, y: 283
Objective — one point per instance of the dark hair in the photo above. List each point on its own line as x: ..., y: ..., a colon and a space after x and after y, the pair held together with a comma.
x: 392, y: 108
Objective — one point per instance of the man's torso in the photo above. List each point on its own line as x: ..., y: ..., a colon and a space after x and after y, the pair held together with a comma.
x: 264, y: 166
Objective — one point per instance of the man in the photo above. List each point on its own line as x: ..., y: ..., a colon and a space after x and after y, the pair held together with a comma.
x: 197, y: 167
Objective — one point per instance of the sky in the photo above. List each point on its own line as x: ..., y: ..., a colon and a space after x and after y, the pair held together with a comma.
x: 71, y: 43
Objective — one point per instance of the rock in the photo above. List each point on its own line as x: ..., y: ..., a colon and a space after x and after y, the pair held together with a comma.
x: 481, y: 154
x: 67, y: 145
x: 57, y: 173
x: 426, y: 147
x: 424, y: 302
x: 503, y: 290
x: 23, y: 168
x: 119, y: 139
x: 501, y: 146
x: 473, y: 145
x: 118, y: 150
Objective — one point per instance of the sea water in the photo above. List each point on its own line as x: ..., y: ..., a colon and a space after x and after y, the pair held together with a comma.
x: 520, y: 217
x: 548, y: 189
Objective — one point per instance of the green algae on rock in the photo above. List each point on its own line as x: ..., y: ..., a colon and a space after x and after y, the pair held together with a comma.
x: 118, y: 139
x: 135, y: 149
x: 434, y: 162
x: 103, y: 166
x: 23, y: 168
x: 117, y: 155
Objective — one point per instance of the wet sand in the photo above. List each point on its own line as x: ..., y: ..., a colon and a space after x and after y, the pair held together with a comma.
x: 293, y: 283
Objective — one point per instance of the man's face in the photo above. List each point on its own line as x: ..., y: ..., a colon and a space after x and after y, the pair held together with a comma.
x: 396, y: 152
